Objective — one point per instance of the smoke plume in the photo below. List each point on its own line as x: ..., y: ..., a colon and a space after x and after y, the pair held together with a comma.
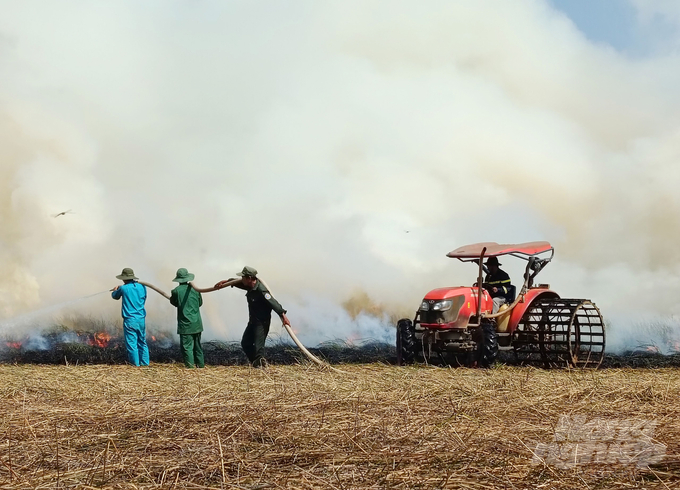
x: 336, y: 147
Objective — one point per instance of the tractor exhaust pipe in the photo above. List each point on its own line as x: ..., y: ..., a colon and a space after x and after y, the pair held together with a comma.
x: 479, y: 286
x: 479, y: 289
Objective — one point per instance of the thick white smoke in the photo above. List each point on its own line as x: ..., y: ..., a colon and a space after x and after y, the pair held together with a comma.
x: 336, y: 147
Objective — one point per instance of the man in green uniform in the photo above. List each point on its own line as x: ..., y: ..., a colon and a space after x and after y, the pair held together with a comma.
x: 189, y: 325
x: 260, y: 306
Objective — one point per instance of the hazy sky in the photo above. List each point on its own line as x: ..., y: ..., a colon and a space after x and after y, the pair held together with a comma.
x: 338, y: 147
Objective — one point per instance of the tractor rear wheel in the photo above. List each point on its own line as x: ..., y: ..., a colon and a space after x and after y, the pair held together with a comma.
x: 487, y: 350
x: 558, y: 332
x: 407, y: 344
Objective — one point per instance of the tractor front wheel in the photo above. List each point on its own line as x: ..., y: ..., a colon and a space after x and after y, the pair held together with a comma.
x: 406, y: 342
x: 487, y: 350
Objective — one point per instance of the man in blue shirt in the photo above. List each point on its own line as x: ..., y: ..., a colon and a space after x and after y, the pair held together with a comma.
x: 134, y: 317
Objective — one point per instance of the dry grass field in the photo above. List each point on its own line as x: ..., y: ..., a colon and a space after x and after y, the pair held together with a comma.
x: 296, y: 426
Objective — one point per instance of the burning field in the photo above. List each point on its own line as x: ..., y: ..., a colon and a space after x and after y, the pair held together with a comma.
x: 99, y: 343
x: 68, y: 346
x: 61, y: 346
x: 372, y: 426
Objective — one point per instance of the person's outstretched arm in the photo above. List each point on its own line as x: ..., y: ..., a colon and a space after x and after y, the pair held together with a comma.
x: 203, y: 290
x: 231, y: 282
x: 116, y: 293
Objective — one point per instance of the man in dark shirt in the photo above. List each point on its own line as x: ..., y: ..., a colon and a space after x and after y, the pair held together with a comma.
x: 497, y: 282
x: 260, y: 306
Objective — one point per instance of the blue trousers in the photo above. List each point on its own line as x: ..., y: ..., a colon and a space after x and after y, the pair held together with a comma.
x: 135, y: 342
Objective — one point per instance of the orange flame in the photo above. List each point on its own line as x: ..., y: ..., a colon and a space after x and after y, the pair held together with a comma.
x: 14, y: 345
x: 100, y: 339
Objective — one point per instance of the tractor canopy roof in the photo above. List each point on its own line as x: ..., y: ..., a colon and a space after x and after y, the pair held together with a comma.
x: 493, y: 249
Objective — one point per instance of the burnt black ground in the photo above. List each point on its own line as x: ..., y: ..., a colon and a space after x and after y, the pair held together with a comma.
x: 216, y: 353
x: 230, y: 353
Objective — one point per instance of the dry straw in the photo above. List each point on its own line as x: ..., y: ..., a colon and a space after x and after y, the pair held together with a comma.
x: 299, y: 427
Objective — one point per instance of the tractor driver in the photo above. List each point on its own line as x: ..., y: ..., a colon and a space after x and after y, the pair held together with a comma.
x: 497, y: 282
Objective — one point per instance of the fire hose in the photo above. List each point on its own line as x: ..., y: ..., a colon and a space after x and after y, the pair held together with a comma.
x: 304, y: 350
x: 151, y: 286
x: 290, y: 331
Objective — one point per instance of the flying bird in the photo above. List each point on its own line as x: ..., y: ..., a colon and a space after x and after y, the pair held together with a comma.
x: 62, y: 213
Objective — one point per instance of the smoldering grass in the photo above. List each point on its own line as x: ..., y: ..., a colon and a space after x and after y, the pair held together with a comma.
x: 60, y: 345
x: 658, y: 334
x: 71, y: 342
x: 226, y: 353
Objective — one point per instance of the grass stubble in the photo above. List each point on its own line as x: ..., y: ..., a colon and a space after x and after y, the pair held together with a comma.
x: 298, y: 426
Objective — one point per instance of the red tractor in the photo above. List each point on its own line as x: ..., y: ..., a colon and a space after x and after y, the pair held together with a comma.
x: 457, y: 326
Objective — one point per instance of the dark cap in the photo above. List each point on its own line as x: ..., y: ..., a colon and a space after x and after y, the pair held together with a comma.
x: 492, y: 261
x: 248, y: 272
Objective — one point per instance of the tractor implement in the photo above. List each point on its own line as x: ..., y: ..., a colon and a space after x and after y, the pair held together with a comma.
x: 458, y: 325
x: 557, y: 332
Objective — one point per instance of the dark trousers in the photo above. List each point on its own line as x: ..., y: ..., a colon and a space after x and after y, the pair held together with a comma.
x: 253, y: 341
x: 192, y: 352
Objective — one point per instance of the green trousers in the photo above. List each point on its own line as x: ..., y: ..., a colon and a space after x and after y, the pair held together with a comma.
x: 253, y: 342
x: 192, y: 352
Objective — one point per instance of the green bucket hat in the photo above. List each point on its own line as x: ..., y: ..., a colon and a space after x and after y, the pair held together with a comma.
x: 248, y: 272
x: 126, y: 275
x: 183, y: 276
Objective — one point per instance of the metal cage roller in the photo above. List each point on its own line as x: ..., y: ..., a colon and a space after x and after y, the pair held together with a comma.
x: 558, y: 331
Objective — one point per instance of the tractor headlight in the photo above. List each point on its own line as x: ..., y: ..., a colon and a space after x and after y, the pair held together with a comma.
x: 424, y: 306
x: 443, y: 305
